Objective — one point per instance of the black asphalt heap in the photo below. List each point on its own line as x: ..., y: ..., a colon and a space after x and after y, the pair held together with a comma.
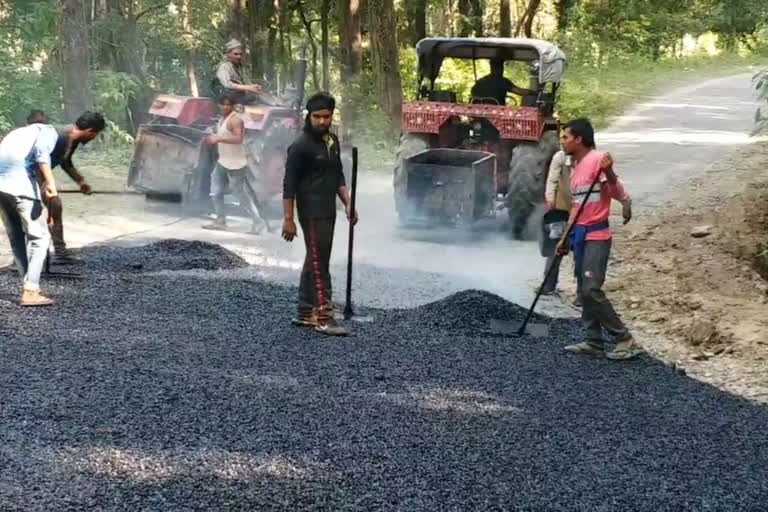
x: 166, y: 392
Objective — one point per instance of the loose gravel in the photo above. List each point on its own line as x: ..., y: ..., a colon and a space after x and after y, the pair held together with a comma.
x: 142, y: 391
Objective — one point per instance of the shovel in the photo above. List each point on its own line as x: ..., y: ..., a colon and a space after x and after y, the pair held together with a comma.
x: 167, y: 197
x: 507, y: 328
x: 349, y: 313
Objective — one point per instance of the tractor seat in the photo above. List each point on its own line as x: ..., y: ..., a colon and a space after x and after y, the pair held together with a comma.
x: 445, y: 96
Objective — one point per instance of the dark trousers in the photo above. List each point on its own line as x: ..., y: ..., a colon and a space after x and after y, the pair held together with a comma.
x: 315, y: 284
x: 550, y: 281
x: 56, y: 211
x: 597, y: 312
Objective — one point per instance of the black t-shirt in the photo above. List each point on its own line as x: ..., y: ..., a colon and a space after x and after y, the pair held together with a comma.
x: 313, y: 175
x: 61, y: 153
x: 491, y: 86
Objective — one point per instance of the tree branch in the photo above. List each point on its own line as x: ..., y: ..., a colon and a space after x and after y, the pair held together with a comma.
x: 149, y: 9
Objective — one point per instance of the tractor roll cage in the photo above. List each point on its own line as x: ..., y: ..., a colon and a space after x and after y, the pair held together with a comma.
x: 549, y: 58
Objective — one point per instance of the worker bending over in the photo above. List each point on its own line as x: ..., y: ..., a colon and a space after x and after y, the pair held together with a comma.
x: 24, y: 153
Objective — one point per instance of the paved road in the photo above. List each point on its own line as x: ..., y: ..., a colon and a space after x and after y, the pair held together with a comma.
x: 158, y: 390
x: 656, y: 145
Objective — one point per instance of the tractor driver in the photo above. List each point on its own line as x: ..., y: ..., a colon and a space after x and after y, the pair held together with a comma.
x: 495, y: 87
x: 230, y: 76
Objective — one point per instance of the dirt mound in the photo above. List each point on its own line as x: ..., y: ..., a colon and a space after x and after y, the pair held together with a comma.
x: 170, y: 254
x: 690, y: 274
x: 470, y: 311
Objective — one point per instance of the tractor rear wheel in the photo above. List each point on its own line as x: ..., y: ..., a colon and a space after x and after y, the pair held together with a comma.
x: 527, y: 173
x: 410, y: 144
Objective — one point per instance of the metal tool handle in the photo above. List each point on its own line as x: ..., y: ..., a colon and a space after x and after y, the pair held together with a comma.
x: 348, y: 312
x: 558, y: 257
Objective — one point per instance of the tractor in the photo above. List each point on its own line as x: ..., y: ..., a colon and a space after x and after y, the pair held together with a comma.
x: 462, y: 161
x: 171, y: 159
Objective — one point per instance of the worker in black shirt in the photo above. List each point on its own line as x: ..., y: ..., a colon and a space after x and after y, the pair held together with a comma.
x: 85, y: 129
x: 313, y: 180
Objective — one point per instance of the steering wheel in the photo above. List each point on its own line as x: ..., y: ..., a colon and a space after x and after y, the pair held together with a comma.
x: 514, y: 99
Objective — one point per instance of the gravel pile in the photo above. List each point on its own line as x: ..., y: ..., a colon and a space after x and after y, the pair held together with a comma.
x: 147, y: 392
x: 171, y: 254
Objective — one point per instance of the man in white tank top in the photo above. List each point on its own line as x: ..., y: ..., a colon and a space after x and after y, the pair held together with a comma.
x: 232, y: 166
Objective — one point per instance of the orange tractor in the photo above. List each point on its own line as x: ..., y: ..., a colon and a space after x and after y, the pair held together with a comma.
x: 461, y: 161
x: 170, y: 158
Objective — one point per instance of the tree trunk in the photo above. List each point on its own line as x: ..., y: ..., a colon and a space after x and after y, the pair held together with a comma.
x: 312, y: 44
x: 477, y: 17
x: 465, y: 13
x: 260, y: 13
x: 386, y: 61
x: 562, y: 7
x: 350, y: 38
x: 505, y: 26
x: 525, y: 23
x: 324, y: 27
x: 236, y: 17
x: 420, y: 19
x: 189, y: 54
x: 73, y: 35
x: 416, y: 12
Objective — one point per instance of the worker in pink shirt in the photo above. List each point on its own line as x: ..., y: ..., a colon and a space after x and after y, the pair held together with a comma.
x: 590, y: 240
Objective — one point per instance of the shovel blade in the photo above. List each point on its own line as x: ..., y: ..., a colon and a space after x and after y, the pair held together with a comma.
x: 507, y: 328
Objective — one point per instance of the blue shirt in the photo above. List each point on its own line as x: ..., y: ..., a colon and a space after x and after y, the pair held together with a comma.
x: 21, y: 151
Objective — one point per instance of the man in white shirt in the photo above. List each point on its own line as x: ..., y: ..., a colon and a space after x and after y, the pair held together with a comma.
x: 24, y: 153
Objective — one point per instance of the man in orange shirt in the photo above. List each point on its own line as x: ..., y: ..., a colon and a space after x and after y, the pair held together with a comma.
x: 590, y: 239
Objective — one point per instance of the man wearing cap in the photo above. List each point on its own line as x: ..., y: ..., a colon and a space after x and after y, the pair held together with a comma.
x: 313, y: 180
x: 230, y: 75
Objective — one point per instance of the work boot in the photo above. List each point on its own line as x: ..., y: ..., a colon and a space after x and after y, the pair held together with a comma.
x: 588, y: 347
x: 33, y: 298
x: 305, y: 320
x: 330, y: 327
x: 627, y: 349
x: 217, y: 225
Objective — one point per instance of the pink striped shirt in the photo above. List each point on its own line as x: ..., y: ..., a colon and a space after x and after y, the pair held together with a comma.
x: 598, y: 206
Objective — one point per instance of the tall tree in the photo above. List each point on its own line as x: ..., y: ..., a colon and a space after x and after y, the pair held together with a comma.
x: 416, y: 13
x: 386, y: 60
x: 350, y: 38
x: 325, y: 9
x: 73, y: 35
x: 189, y: 55
x: 525, y: 23
x: 505, y: 25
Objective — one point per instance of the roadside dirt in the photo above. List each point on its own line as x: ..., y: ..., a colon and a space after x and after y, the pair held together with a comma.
x: 700, y: 301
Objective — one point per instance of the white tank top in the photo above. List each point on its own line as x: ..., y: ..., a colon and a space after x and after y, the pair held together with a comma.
x: 231, y: 156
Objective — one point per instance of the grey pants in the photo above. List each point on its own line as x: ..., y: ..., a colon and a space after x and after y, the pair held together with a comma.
x: 240, y: 187
x: 597, y: 312
x: 315, y: 285
x: 25, y: 222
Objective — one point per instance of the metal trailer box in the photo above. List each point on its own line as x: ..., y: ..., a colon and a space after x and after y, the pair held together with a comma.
x: 450, y: 186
